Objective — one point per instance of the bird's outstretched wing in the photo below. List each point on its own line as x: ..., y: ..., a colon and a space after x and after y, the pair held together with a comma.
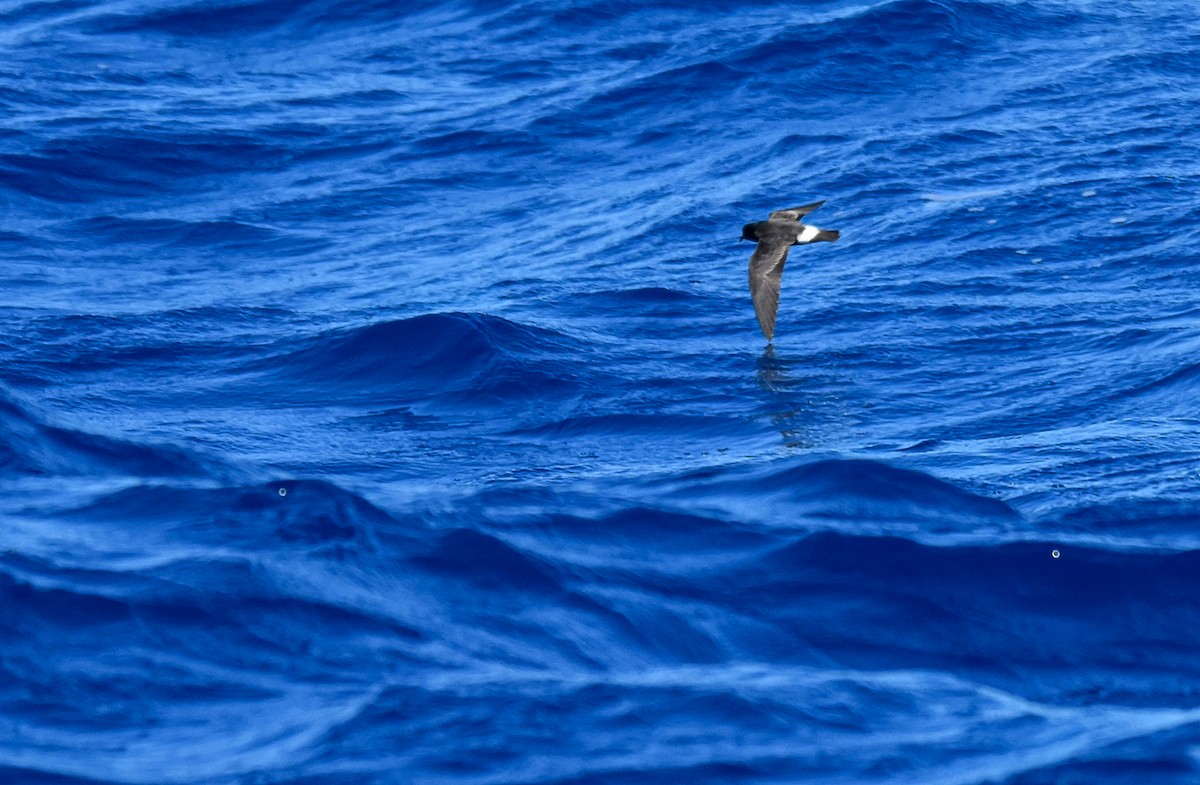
x: 766, y: 274
x: 795, y: 213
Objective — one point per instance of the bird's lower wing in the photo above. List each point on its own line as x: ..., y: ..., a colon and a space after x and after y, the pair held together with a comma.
x: 766, y: 274
x: 796, y: 213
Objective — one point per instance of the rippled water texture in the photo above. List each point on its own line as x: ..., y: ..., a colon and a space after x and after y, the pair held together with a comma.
x: 381, y: 400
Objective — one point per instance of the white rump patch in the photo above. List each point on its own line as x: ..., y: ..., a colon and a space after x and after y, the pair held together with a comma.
x: 807, y: 235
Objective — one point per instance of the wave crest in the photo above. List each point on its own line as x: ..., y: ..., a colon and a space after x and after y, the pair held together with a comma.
x: 31, y: 447
x: 455, y: 358
x: 857, y: 491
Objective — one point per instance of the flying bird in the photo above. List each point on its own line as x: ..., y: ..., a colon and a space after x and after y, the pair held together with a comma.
x: 775, y: 236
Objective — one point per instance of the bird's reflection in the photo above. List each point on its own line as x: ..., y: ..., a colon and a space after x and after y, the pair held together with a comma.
x: 772, y: 372
x: 780, y: 401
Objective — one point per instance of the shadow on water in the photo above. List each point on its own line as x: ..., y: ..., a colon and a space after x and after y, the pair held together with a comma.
x: 775, y: 379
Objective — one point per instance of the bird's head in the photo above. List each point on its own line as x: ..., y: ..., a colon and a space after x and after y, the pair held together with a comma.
x: 749, y: 233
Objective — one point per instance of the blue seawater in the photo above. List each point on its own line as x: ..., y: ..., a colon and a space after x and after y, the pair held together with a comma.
x: 381, y: 400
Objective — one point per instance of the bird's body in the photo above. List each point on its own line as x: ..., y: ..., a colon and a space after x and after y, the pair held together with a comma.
x: 775, y: 236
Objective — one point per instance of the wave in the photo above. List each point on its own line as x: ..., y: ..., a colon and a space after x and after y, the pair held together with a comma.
x: 685, y: 85
x: 196, y: 640
x: 515, y: 143
x: 1144, y: 522
x: 488, y: 563
x: 854, y: 491
x: 1172, y: 393
x: 47, y: 776
x: 903, y: 31
x: 256, y: 567
x: 99, y: 166
x: 229, y: 18
x: 223, y: 235
x: 748, y: 721
x: 987, y: 607
x: 668, y: 426
x: 265, y: 517
x: 445, y: 361
x: 32, y: 447
x: 205, y: 340
x: 1023, y: 614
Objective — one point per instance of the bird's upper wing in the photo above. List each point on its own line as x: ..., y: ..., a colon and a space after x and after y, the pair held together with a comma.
x: 796, y: 213
x: 766, y: 274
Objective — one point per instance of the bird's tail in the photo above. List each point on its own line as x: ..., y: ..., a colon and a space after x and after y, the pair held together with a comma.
x: 827, y: 235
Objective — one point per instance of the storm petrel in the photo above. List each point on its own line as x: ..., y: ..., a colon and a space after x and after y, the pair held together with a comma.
x: 774, y: 236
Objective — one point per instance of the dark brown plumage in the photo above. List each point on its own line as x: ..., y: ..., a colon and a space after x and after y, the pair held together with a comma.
x: 775, y: 236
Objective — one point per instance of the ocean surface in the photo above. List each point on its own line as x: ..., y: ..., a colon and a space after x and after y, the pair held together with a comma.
x: 381, y: 399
